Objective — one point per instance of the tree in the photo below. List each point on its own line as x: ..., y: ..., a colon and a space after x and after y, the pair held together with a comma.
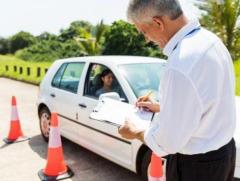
x: 123, y: 38
x: 72, y: 49
x: 4, y: 46
x: 221, y: 18
x: 80, y: 39
x: 47, y: 36
x: 82, y: 24
x: 92, y: 42
x: 20, y: 41
x: 89, y: 38
x: 74, y: 30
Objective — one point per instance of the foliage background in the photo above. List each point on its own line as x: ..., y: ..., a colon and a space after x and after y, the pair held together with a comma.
x: 82, y: 38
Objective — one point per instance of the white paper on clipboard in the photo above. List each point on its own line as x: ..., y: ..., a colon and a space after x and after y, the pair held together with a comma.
x: 115, y: 112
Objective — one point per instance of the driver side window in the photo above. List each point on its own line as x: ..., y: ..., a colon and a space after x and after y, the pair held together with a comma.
x: 100, y: 79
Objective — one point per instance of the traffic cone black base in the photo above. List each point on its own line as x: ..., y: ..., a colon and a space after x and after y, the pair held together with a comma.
x: 20, y: 139
x: 63, y: 176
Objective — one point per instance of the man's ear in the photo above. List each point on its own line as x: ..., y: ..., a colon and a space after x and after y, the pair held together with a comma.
x: 159, y: 22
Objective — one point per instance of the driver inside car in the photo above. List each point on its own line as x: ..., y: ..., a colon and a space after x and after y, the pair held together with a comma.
x: 107, y: 79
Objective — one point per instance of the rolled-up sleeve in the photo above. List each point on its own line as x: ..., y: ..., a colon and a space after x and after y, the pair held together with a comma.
x: 181, y: 111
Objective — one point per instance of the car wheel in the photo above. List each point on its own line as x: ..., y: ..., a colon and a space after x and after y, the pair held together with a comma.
x: 145, y: 165
x: 45, y: 122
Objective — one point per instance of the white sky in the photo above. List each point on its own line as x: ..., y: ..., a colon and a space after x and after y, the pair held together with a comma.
x: 37, y: 16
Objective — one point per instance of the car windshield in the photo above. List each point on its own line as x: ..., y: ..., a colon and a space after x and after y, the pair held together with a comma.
x: 143, y: 77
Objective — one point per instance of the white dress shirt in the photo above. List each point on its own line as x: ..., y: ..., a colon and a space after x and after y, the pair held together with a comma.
x: 196, y: 95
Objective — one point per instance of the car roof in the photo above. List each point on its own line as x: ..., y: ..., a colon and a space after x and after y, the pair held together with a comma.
x: 113, y: 60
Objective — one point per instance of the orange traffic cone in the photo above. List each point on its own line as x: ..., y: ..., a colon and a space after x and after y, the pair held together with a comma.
x: 15, y: 133
x: 156, y: 169
x: 56, y: 168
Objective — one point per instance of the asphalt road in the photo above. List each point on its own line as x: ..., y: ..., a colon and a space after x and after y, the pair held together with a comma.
x: 21, y: 161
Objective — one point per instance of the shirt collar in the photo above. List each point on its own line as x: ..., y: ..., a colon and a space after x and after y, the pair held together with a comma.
x: 179, y: 36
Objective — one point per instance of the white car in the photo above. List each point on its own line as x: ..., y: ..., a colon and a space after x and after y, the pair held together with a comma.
x: 69, y: 88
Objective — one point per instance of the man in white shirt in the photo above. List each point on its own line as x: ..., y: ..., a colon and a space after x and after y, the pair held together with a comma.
x: 195, y: 117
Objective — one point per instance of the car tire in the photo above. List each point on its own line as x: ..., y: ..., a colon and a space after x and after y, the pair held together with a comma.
x: 44, y: 122
x: 145, y: 165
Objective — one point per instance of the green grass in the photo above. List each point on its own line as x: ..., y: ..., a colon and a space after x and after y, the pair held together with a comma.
x: 12, y: 61
x: 237, y: 73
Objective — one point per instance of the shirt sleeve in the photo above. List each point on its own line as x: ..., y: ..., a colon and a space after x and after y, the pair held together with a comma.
x: 180, y: 115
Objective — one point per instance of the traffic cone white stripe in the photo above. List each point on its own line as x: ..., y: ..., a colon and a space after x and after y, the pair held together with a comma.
x: 14, y: 115
x: 55, y: 138
x: 162, y: 178
x: 150, y: 178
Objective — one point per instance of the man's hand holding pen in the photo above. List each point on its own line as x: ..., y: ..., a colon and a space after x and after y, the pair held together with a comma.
x: 147, y: 104
x: 129, y: 130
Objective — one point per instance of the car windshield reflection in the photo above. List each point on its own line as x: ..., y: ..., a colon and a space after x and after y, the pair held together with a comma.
x: 143, y: 77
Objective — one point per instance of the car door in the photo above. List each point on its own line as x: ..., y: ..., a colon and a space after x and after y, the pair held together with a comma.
x: 104, y: 137
x: 65, y: 94
x: 54, y: 85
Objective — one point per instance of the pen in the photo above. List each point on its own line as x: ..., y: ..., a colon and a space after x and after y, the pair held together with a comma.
x: 145, y: 98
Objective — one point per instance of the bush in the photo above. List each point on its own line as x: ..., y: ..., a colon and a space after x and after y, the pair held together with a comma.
x: 42, y: 51
x: 50, y: 50
x: 21, y: 40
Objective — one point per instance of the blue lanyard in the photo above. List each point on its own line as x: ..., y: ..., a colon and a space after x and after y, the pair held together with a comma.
x: 191, y: 32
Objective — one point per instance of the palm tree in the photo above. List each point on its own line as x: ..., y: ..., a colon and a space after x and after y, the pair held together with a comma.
x: 221, y: 17
x: 92, y: 41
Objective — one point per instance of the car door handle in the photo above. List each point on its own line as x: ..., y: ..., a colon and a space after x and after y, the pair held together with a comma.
x: 83, y: 105
x: 52, y: 95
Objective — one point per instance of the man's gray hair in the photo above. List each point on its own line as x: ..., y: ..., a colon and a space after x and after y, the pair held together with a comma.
x: 145, y: 10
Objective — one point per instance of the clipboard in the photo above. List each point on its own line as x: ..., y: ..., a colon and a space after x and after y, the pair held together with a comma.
x: 106, y: 121
x: 114, y: 112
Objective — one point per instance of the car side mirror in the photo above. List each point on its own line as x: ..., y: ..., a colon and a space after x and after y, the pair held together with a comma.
x: 123, y: 100
x: 112, y: 95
